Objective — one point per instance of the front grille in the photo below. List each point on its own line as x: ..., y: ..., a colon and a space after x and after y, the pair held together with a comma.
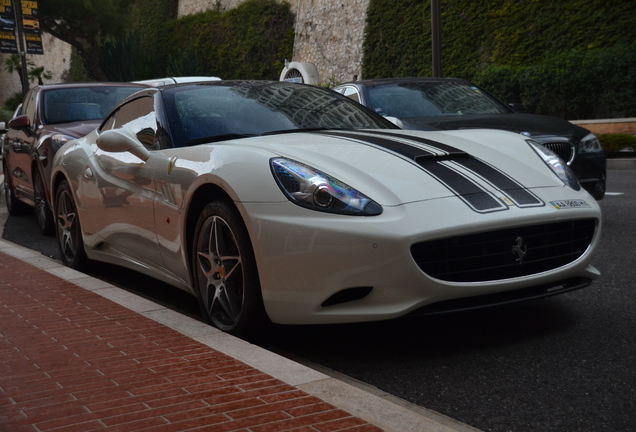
x: 506, y: 253
x: 563, y: 149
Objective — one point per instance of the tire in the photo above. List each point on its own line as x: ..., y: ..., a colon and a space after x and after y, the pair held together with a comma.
x: 68, y: 230
x: 225, y: 274
x: 42, y: 209
x: 15, y: 207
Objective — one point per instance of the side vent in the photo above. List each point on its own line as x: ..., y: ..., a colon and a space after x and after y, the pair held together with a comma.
x: 347, y: 295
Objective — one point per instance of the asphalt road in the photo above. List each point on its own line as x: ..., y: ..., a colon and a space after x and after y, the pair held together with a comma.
x: 565, y: 364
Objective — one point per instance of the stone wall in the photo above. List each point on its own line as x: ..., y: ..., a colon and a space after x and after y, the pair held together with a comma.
x: 329, y: 33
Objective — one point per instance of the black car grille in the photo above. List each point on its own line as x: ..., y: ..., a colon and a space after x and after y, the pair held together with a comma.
x: 506, y: 253
x: 563, y: 149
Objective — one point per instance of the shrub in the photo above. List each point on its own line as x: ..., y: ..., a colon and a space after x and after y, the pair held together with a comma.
x: 618, y: 144
x: 5, y: 115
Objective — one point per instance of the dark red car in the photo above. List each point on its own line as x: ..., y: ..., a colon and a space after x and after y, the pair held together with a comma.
x: 50, y: 116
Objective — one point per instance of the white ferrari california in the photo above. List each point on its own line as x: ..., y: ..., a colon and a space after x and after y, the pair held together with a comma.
x: 291, y: 203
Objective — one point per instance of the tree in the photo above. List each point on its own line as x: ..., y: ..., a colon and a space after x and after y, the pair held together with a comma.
x: 40, y: 74
x: 83, y: 24
x: 13, y: 63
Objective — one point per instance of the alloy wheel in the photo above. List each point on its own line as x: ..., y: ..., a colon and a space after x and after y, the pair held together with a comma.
x: 219, y: 269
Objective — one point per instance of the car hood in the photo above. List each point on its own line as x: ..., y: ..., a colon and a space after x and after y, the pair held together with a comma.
x: 75, y: 129
x: 535, y: 125
x: 396, y: 167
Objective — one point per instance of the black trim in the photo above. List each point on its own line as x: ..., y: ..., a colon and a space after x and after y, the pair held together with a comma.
x: 502, y: 298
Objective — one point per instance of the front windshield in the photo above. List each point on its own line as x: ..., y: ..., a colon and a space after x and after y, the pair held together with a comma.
x: 434, y: 98
x: 65, y: 105
x: 235, y: 109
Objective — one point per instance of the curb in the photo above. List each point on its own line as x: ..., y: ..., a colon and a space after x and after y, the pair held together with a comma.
x: 380, y: 409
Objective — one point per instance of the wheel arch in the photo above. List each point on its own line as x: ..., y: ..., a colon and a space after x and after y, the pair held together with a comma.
x: 200, y: 198
x: 57, y: 178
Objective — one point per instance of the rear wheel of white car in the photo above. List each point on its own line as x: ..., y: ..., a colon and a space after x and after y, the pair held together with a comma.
x: 15, y: 207
x: 69, y: 233
x: 42, y: 209
x: 225, y: 273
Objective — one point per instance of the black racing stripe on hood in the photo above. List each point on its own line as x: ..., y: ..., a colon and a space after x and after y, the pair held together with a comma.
x: 521, y: 196
x: 403, y: 149
x: 470, y: 192
x: 465, y: 188
x: 441, y: 146
x: 515, y: 191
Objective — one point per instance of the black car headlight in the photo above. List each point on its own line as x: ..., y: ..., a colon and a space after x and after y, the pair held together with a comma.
x: 590, y: 144
x: 58, y: 140
x: 556, y: 164
x: 313, y: 189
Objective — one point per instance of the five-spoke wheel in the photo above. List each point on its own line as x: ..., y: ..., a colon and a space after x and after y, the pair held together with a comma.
x: 69, y: 235
x: 225, y: 273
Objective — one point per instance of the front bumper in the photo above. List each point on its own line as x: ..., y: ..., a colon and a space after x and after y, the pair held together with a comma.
x: 591, y: 170
x: 305, y: 258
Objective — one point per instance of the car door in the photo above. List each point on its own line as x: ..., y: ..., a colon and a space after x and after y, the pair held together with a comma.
x: 18, y: 149
x: 118, y: 189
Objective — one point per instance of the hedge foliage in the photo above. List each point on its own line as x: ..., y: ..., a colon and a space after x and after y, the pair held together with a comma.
x: 599, y: 83
x: 250, y: 41
x: 618, y: 144
x: 572, y: 58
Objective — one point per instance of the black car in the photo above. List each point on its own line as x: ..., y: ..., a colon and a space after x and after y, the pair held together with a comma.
x: 452, y: 103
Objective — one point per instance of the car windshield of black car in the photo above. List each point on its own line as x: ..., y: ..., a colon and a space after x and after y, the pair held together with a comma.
x: 427, y: 99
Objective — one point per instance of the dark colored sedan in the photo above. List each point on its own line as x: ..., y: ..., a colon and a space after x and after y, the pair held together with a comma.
x: 451, y: 103
x: 51, y: 115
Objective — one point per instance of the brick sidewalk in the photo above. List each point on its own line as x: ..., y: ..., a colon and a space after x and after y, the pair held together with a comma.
x: 72, y: 360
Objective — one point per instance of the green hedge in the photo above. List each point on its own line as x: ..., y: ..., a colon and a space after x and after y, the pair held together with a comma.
x: 574, y: 58
x: 574, y: 85
x: 618, y: 145
x: 250, y: 41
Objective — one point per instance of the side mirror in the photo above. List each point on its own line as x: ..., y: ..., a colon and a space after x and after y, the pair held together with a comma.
x: 3, y: 127
x: 396, y: 121
x: 122, y: 140
x: 517, y: 107
x: 20, y: 122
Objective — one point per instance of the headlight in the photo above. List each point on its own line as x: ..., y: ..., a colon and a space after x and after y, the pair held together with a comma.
x: 590, y: 144
x: 313, y: 189
x: 58, y: 140
x: 556, y: 164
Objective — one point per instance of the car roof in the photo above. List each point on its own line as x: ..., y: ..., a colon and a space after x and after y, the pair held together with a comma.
x: 381, y: 81
x: 176, y: 80
x: 88, y: 84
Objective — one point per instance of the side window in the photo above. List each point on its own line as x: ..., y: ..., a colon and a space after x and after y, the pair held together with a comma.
x: 109, y: 122
x: 137, y: 116
x: 29, y: 106
x: 352, y: 93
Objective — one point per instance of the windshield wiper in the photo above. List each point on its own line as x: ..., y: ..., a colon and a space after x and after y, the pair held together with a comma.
x: 217, y: 138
